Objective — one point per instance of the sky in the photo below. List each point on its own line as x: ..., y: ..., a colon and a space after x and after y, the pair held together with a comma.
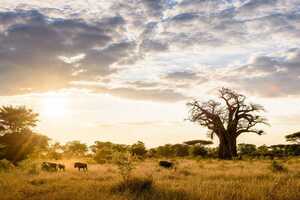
x: 123, y: 70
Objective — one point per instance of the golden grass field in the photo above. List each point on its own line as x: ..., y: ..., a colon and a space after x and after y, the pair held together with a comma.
x: 192, y: 179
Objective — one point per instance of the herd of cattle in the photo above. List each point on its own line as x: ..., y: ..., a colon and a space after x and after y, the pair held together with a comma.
x: 50, y: 166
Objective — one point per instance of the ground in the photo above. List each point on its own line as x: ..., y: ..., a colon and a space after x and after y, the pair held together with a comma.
x: 192, y: 179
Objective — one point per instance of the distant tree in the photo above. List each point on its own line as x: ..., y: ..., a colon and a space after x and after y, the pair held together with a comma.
x: 228, y: 119
x: 75, y: 148
x: 200, y: 142
x: 262, y: 150
x: 198, y: 150
x: 285, y: 149
x: 17, y: 119
x: 165, y: 150
x: 295, y: 137
x: 138, y: 149
x: 55, y: 151
x: 103, y: 151
x: 181, y: 150
x: 246, y: 149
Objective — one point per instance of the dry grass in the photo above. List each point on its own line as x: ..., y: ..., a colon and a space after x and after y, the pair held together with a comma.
x: 202, y: 179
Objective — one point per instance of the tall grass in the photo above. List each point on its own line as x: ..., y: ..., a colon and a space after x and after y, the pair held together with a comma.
x: 193, y: 179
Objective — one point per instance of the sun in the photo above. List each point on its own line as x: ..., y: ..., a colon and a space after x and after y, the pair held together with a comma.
x: 54, y: 106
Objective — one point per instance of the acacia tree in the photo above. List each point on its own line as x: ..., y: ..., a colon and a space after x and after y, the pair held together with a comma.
x: 227, y: 118
x: 17, y: 139
x: 295, y: 137
x: 18, y: 119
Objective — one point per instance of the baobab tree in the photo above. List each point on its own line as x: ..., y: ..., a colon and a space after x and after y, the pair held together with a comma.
x: 227, y: 118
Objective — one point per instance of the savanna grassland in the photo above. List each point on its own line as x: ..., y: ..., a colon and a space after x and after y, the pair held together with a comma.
x: 192, y: 179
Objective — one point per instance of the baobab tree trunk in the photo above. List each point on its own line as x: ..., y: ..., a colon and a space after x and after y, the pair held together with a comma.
x: 227, y: 147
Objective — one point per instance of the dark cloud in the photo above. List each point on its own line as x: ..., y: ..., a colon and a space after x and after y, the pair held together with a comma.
x: 31, y: 45
x: 270, y: 75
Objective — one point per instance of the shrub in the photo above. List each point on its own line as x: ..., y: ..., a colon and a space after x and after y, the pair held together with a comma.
x: 278, y: 167
x: 198, y: 150
x: 5, y: 165
x: 125, y: 164
x: 134, y: 185
x: 31, y: 167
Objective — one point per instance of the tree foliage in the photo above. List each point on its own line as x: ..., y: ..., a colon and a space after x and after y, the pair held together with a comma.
x: 138, y: 149
x: 200, y: 142
x: 17, y: 119
x: 295, y: 137
x: 75, y: 148
x: 17, y: 139
x: 246, y: 149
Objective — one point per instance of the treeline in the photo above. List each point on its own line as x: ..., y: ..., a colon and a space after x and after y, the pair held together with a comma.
x: 19, y: 141
x: 102, y: 152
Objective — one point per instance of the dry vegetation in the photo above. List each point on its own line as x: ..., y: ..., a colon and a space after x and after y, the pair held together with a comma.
x: 192, y: 179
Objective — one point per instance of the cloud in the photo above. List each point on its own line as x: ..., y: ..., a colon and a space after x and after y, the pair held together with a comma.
x: 160, y: 95
x: 149, y: 49
x: 32, y: 46
x: 270, y: 76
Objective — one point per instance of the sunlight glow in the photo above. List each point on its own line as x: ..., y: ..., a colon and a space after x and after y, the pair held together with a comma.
x: 54, y: 106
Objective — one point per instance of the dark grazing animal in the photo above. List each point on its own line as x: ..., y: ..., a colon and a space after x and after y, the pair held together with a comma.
x: 61, y: 167
x: 48, y: 166
x: 80, y: 165
x: 166, y: 164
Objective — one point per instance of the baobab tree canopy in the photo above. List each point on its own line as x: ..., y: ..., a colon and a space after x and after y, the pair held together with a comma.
x: 227, y: 118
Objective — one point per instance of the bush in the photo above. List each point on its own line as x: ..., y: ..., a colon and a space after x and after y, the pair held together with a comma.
x: 134, y: 185
x: 31, y: 167
x: 278, y: 167
x: 198, y: 150
x: 125, y: 164
x: 5, y: 165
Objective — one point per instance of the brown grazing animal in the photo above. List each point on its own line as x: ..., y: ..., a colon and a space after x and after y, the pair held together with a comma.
x: 48, y: 166
x: 80, y: 165
x: 166, y: 164
x: 61, y: 167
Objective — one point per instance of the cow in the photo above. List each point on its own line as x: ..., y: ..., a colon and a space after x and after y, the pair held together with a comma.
x: 166, y: 164
x: 48, y: 166
x: 80, y: 165
x: 61, y: 167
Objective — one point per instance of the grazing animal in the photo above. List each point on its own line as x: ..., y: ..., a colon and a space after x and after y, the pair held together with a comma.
x: 166, y: 164
x: 80, y: 165
x: 48, y: 166
x: 61, y: 167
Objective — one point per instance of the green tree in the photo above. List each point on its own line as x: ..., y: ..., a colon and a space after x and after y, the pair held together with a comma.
x: 17, y: 119
x: 198, y: 150
x: 17, y: 147
x: 262, y: 150
x: 246, y: 149
x: 165, y: 150
x: 138, y: 149
x: 181, y: 150
x: 227, y: 119
x: 75, y: 148
x: 294, y: 138
x: 17, y: 139
x: 55, y: 151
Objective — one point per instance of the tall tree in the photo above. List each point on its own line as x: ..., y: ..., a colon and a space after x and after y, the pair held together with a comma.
x: 16, y: 119
x: 295, y: 137
x: 75, y: 148
x: 17, y: 140
x: 227, y: 118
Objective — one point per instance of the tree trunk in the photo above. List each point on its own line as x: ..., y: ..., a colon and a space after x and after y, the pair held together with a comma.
x: 227, y: 147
